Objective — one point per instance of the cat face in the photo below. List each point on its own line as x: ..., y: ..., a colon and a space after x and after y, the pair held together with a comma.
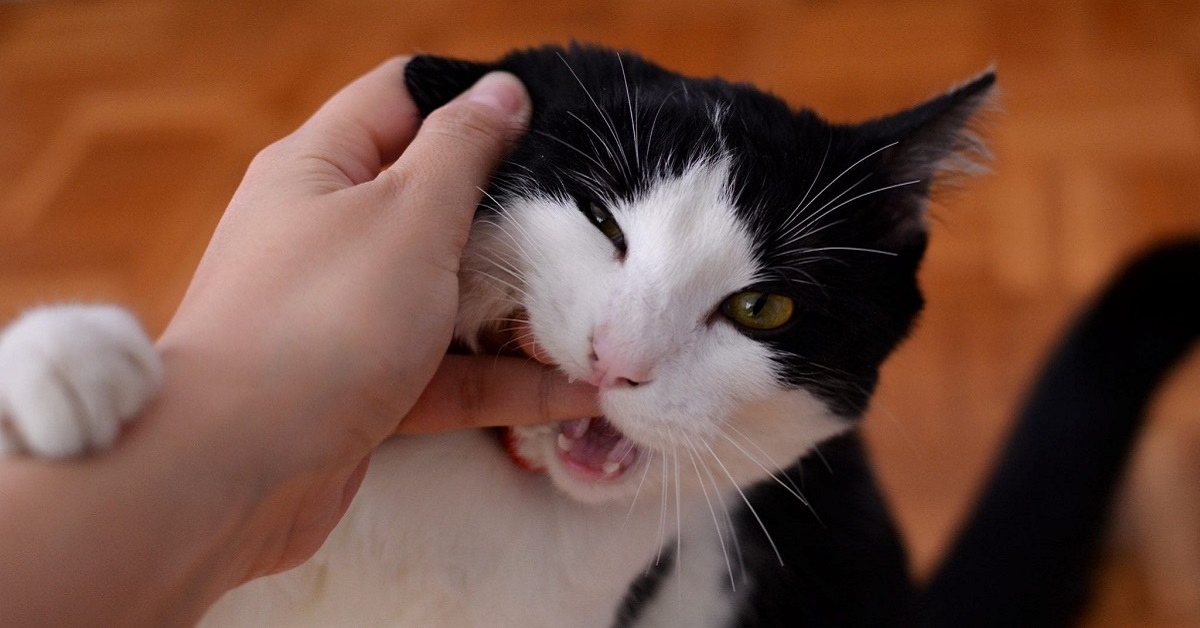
x: 729, y: 273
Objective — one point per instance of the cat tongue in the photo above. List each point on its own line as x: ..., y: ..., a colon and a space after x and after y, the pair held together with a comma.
x: 595, y: 449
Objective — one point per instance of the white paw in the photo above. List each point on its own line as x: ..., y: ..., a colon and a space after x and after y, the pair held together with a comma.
x: 69, y: 376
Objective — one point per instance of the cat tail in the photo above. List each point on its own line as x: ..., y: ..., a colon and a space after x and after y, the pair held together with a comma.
x: 1026, y: 554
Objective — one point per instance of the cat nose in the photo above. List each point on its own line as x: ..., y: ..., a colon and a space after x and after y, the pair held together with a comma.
x: 614, y: 367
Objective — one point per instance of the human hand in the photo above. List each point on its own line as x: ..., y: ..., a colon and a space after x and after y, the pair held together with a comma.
x: 325, y: 303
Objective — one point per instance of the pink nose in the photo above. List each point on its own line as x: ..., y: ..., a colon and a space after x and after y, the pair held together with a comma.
x: 614, y: 366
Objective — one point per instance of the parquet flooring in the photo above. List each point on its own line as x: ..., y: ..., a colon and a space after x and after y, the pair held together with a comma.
x: 126, y: 124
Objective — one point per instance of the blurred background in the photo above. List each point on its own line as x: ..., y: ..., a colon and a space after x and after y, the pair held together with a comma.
x: 125, y: 126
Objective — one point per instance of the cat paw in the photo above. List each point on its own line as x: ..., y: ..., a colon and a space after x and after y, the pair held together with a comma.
x: 70, y: 376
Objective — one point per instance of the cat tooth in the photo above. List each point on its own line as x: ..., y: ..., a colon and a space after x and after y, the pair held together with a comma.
x: 564, y: 443
x: 610, y: 467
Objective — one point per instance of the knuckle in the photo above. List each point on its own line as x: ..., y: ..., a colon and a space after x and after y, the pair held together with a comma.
x: 271, y: 156
x: 472, y: 126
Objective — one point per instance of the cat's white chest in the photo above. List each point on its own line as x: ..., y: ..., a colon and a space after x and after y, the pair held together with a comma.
x: 446, y: 531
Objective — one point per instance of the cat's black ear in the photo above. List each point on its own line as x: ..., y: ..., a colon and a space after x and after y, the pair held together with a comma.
x: 936, y: 135
x: 934, y: 140
x: 434, y: 81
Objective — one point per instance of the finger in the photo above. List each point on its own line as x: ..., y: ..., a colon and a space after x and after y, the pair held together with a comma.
x: 363, y: 127
x: 484, y: 391
x: 453, y: 155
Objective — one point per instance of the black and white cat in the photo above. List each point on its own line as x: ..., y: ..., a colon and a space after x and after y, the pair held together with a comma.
x: 728, y: 271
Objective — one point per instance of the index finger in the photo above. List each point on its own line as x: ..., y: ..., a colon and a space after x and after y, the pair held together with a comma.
x: 487, y: 391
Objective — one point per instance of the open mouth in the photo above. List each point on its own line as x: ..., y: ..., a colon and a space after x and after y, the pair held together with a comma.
x: 593, y: 449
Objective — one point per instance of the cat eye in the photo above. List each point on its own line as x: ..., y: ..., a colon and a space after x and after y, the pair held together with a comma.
x: 759, y: 311
x: 603, y: 220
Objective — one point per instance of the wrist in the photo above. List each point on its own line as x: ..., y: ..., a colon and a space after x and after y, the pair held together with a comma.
x: 214, y: 476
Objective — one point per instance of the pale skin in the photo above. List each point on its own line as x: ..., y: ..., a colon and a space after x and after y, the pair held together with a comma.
x: 315, y: 327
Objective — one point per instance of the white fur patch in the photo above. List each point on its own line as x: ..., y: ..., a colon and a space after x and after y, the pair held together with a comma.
x: 69, y: 376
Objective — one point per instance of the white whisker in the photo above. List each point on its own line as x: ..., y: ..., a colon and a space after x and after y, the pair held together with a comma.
x: 662, y: 515
x: 775, y: 465
x: 746, y: 501
x: 813, y: 183
x: 638, y: 492
x: 760, y: 465
x: 820, y: 212
x: 637, y: 159
x: 848, y: 169
x: 692, y: 453
x: 603, y: 116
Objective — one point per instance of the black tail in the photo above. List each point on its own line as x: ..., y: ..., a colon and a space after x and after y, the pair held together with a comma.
x: 1026, y: 555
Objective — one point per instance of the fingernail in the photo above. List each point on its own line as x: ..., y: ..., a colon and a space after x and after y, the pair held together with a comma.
x: 499, y: 90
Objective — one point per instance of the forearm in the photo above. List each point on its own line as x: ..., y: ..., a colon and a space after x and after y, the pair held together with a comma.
x: 148, y: 533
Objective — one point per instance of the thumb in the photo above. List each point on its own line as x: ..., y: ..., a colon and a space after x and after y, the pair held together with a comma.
x: 454, y: 153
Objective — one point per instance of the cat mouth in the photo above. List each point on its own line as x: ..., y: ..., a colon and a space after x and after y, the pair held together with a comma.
x: 595, y: 450
x: 592, y: 449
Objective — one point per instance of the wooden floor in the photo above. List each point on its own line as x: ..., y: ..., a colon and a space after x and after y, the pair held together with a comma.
x: 126, y: 124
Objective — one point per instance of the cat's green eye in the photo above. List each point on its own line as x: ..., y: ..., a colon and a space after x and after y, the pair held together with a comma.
x: 760, y: 311
x: 603, y: 220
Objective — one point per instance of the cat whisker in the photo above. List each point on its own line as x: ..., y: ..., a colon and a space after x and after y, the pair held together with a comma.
x: 852, y: 248
x: 779, y: 470
x: 567, y: 144
x: 813, y: 183
x: 816, y: 216
x: 692, y: 453
x: 746, y: 501
x: 503, y: 227
x: 848, y: 169
x: 662, y: 515
x: 603, y: 116
x: 816, y: 450
x: 808, y: 233
x: 597, y: 188
x: 638, y: 492
x: 515, y: 340
x: 804, y: 279
x: 508, y: 320
x: 637, y: 160
x: 612, y: 153
x: 864, y: 194
x: 506, y: 267
x: 678, y: 512
x: 725, y: 511
x: 498, y: 280
x: 772, y: 473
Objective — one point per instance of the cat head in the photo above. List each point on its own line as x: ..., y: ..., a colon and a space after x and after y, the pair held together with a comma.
x: 730, y: 272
